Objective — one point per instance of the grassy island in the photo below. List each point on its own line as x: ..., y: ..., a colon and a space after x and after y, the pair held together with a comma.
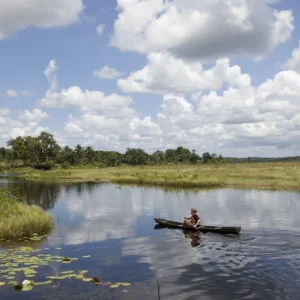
x: 19, y: 220
x: 274, y: 176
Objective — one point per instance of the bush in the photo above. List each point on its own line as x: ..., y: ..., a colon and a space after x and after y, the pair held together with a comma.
x: 66, y: 165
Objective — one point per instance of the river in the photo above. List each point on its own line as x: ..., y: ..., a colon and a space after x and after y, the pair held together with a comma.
x: 113, y: 225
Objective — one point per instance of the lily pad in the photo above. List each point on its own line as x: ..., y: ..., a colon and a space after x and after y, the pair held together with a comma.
x: 87, y: 279
x: 2, y: 283
x: 43, y: 283
x: 114, y: 286
x: 124, y: 284
x: 67, y: 272
x: 27, y: 288
x: 86, y: 256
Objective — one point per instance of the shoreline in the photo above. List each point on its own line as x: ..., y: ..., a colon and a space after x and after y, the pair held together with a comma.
x: 283, y: 176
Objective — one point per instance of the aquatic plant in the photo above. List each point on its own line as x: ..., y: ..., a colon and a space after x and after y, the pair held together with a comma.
x: 18, y: 220
x: 20, y: 267
x: 274, y: 176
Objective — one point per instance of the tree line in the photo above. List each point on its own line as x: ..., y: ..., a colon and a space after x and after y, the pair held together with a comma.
x: 42, y: 152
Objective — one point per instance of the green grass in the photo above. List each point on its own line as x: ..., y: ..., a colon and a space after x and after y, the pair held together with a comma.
x: 18, y: 220
x: 275, y: 176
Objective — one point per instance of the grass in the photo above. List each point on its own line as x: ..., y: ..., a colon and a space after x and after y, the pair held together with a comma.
x: 19, y: 220
x: 274, y: 176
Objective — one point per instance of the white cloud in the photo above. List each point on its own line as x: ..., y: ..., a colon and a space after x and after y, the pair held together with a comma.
x: 89, y: 101
x: 11, y: 93
x: 112, y: 105
x: 5, y: 112
x: 107, y: 73
x: 36, y: 115
x: 201, y: 29
x: 26, y: 124
x: 165, y: 73
x: 16, y: 15
x: 294, y: 62
x: 50, y: 73
x: 100, y: 29
x: 249, y: 119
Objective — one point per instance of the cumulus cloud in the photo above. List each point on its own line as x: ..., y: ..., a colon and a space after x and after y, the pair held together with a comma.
x: 100, y: 29
x: 293, y: 63
x: 107, y: 73
x: 250, y: 119
x: 165, y: 73
x: 87, y: 101
x: 201, y: 29
x: 16, y: 15
x: 36, y: 115
x: 5, y: 112
x: 27, y: 123
x: 11, y: 93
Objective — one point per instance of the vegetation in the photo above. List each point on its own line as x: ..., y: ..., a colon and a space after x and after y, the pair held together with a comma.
x: 43, y: 152
x: 178, y: 167
x: 285, y: 176
x: 18, y: 220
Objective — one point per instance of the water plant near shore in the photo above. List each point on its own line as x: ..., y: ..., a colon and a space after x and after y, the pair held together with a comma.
x: 19, y: 220
x: 272, y: 176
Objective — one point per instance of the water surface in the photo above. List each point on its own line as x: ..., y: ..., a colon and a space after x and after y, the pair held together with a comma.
x: 114, y: 224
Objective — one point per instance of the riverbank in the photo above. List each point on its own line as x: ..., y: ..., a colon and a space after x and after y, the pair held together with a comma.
x: 19, y: 220
x: 274, y: 176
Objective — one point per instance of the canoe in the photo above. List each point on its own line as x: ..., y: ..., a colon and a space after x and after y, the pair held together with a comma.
x: 203, y: 228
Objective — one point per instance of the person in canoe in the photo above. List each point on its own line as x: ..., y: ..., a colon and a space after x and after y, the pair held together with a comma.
x: 193, y: 220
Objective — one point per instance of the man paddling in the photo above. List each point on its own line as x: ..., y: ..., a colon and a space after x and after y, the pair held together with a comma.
x: 193, y: 220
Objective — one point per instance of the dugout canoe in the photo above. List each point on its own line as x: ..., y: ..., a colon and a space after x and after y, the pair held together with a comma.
x: 203, y: 228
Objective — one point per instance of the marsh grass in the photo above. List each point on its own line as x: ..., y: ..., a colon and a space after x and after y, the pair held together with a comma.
x: 18, y: 220
x: 272, y: 176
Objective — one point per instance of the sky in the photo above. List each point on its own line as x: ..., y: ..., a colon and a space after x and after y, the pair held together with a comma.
x: 221, y: 76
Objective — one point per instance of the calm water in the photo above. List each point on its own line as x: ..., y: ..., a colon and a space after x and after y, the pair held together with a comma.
x: 115, y: 226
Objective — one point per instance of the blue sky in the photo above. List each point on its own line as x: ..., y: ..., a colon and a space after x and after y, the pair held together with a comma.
x: 168, y: 92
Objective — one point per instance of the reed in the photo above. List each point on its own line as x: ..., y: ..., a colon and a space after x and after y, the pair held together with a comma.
x: 19, y: 220
x: 278, y: 175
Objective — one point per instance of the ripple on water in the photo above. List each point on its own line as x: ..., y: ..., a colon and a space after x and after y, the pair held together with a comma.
x: 247, y: 267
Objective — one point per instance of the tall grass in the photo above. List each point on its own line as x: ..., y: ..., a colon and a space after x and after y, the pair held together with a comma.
x: 278, y: 175
x: 18, y: 220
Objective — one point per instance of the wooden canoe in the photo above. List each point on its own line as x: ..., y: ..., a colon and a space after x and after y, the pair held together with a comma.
x: 203, y: 228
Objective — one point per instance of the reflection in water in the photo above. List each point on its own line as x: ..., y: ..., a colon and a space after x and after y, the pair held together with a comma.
x: 36, y: 193
x: 115, y: 226
x: 194, y: 236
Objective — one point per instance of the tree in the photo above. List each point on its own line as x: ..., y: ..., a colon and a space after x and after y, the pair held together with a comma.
x: 170, y: 155
x: 206, y: 157
x: 194, y: 157
x: 158, y: 157
x: 136, y: 157
x: 79, y: 154
x: 44, y: 151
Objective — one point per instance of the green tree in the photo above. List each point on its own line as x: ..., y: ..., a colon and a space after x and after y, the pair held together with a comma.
x: 44, y: 151
x: 194, y: 157
x: 136, y: 157
x: 79, y: 154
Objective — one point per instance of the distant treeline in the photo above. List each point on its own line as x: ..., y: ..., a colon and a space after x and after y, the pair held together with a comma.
x: 43, y: 152
x: 261, y: 159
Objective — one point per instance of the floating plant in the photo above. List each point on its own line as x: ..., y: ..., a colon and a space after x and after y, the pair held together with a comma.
x: 26, y: 261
